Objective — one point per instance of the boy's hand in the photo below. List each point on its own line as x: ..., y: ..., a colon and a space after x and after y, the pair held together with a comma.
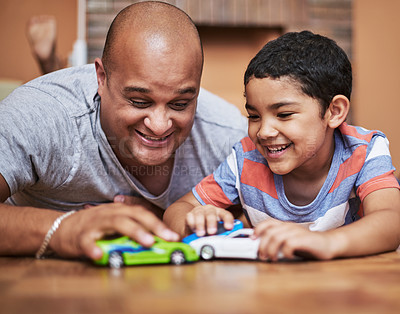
x: 289, y: 239
x: 203, y: 219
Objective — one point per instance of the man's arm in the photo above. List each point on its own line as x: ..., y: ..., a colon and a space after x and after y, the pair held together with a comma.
x: 15, y: 223
x: 23, y: 229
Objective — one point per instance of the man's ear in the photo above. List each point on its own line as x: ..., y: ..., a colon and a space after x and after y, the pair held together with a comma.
x: 338, y: 110
x: 101, y: 75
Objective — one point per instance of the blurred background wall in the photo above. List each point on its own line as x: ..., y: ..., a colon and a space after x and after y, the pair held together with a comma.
x: 16, y: 60
x: 376, y: 63
x: 232, y: 32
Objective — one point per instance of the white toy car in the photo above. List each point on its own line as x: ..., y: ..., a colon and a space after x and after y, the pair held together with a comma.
x: 236, y: 244
x: 237, y: 224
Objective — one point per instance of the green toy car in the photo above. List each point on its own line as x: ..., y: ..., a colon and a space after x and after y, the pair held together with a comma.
x: 124, y: 251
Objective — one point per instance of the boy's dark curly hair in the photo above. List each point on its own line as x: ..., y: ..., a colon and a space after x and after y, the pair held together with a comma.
x: 316, y: 62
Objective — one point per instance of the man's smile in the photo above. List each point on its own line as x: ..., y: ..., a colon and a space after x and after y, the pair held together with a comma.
x: 155, y: 141
x: 153, y: 138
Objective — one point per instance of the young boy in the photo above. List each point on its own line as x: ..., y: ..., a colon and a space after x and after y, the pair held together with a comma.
x: 308, y: 182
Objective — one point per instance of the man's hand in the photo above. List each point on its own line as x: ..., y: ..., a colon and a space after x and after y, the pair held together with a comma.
x: 78, y: 233
x: 136, y: 200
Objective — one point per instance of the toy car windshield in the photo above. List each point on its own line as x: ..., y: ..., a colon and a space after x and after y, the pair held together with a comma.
x: 237, y: 224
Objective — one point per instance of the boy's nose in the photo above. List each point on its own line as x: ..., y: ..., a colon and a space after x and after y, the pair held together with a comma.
x: 158, y: 122
x: 267, y: 130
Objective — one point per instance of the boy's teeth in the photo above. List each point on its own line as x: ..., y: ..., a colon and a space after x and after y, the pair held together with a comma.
x: 277, y: 149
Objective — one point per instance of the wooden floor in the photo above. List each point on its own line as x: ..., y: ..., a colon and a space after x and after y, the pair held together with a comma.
x: 359, y: 285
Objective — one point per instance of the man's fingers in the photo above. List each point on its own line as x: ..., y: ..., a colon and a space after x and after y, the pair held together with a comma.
x: 150, y: 222
x: 92, y: 251
x: 126, y: 199
x: 135, y: 222
x: 136, y: 200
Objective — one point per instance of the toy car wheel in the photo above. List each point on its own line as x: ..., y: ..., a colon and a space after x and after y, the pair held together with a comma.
x: 177, y: 257
x: 115, y: 260
x: 207, y: 252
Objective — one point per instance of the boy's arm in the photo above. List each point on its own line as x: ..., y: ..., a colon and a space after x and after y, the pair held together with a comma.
x: 187, y: 215
x: 377, y: 231
x: 175, y: 215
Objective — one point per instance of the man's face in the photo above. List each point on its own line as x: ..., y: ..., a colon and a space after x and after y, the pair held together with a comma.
x: 148, y: 102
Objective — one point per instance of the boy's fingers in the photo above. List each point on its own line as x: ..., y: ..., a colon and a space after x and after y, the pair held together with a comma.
x: 190, y: 221
x: 200, y: 225
x: 204, y: 219
x: 212, y: 220
x: 227, y: 218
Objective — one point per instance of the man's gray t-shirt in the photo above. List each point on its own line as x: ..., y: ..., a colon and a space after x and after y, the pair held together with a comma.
x: 54, y: 154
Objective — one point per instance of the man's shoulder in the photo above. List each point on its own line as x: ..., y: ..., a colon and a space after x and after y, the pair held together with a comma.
x: 74, y: 88
x: 67, y: 76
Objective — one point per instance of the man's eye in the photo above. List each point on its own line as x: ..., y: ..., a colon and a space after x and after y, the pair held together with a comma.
x: 140, y: 104
x: 178, y: 105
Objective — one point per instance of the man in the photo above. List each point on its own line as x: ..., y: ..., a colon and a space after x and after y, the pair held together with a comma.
x: 134, y: 124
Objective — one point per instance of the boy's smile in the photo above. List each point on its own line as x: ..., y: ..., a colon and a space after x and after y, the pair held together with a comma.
x: 276, y: 150
x: 286, y: 126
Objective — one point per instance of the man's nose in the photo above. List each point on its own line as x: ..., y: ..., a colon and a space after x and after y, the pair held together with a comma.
x: 158, y: 121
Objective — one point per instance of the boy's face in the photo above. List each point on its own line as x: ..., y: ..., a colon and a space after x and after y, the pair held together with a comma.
x: 286, y: 126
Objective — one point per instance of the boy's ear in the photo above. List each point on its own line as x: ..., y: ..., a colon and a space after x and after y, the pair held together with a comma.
x: 338, y: 110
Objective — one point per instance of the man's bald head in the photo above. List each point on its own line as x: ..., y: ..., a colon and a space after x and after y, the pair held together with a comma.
x: 159, y: 24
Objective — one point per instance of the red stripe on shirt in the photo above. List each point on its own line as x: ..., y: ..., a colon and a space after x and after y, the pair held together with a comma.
x: 259, y: 176
x: 386, y: 180
x: 360, y: 212
x: 351, y: 166
x: 247, y: 144
x: 214, y: 194
x: 350, y: 130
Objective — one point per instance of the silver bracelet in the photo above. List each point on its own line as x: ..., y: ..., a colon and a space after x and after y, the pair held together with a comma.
x: 47, y: 238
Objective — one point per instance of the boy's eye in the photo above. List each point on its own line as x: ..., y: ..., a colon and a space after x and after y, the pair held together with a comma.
x: 284, y: 114
x: 252, y: 117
